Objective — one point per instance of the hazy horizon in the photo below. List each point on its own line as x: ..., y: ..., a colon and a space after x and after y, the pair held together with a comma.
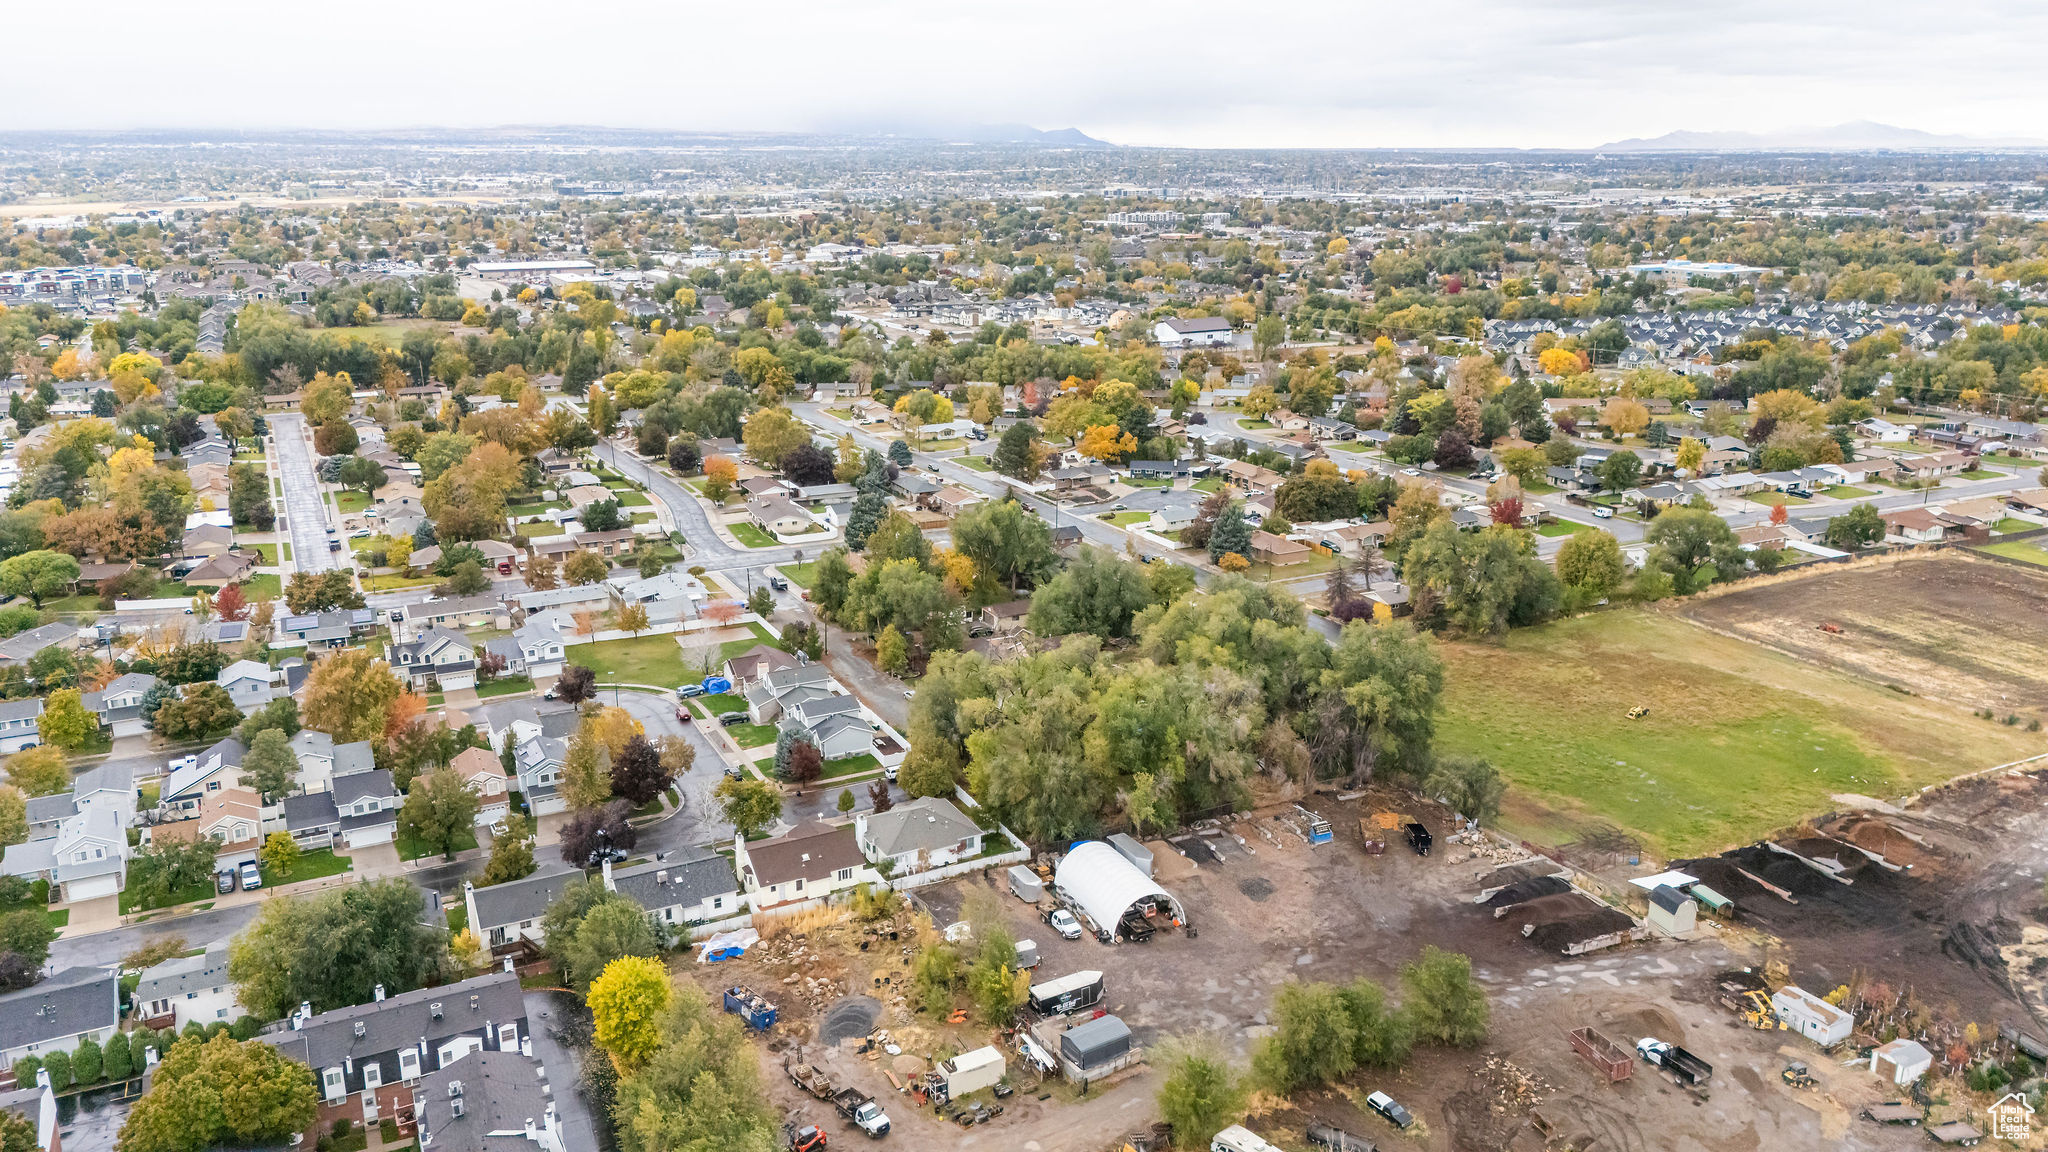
x: 1464, y: 74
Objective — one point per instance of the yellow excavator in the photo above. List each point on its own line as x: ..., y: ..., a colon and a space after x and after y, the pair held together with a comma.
x: 1757, y: 1011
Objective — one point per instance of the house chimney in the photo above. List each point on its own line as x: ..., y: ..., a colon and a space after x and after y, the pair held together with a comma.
x: 378, y: 993
x: 661, y: 877
x: 526, y: 1046
x: 532, y: 1133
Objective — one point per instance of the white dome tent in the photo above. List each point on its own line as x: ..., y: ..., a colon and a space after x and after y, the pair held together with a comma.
x: 1105, y: 886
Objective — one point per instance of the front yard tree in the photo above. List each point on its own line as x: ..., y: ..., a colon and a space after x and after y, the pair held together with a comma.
x: 637, y: 772
x: 1620, y: 471
x: 1232, y: 533
x: 511, y: 852
x: 899, y: 453
x: 761, y: 602
x: 1857, y: 528
x: 586, y: 773
x: 65, y: 722
x: 748, y: 804
x: 38, y: 575
x: 603, y: 826
x: 280, y: 853
x: 467, y: 579
x: 576, y: 684
x: 221, y: 1091
x: 439, y: 808
x: 1016, y: 453
x: 585, y: 567
x: 806, y: 764
x: 204, y: 712
x: 363, y: 473
x: 333, y: 948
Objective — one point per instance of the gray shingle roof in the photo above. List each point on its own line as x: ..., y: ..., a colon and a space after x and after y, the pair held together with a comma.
x: 175, y: 977
x: 73, y: 1001
x: 518, y: 900
x: 354, y: 786
x: 931, y: 822
x: 655, y: 886
x: 500, y: 1093
x: 402, y: 1020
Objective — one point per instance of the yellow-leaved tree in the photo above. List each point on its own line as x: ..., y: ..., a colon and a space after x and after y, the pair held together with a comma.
x: 627, y: 1001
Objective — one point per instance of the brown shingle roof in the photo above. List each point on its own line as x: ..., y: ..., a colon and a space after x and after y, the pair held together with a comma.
x: 812, y: 850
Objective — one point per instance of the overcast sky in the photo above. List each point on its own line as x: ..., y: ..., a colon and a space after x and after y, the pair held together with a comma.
x: 1303, y: 73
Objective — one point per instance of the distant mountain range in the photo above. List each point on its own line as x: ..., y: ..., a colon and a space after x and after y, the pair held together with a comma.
x: 1857, y: 136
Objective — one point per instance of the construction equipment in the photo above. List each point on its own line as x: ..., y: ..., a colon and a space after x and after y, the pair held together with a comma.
x: 1639, y: 711
x: 807, y: 1139
x: 1797, y: 1075
x: 1758, y: 1013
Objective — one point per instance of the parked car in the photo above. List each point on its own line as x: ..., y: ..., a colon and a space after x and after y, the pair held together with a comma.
x: 359, y: 534
x: 1603, y: 513
x: 1384, y: 1104
x: 252, y: 878
x: 889, y: 773
x: 733, y: 770
x: 1062, y: 922
x: 224, y: 881
x: 689, y: 690
x: 729, y: 719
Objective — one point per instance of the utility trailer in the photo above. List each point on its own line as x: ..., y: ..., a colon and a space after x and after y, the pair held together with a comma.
x: 1336, y: 1139
x: 810, y: 1078
x: 750, y: 1007
x: 1894, y: 1112
x: 1419, y: 839
x: 1602, y: 1053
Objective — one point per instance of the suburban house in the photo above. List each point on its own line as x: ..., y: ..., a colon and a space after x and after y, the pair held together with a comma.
x: 533, y: 649
x: 502, y: 915
x: 1203, y: 332
x: 185, y: 989
x: 1933, y: 467
x: 249, y: 684
x: 119, y: 704
x: 367, y: 1057
x: 918, y: 835
x: 809, y: 862
x: 325, y: 630
x: 1915, y: 525
x: 84, y: 857
x: 482, y: 774
x: 834, y: 722
x: 488, y: 1102
x: 358, y: 810
x: 1249, y: 477
x: 59, y: 1013
x: 232, y: 818
x: 539, y: 747
x: 944, y: 430
x: 205, y: 541
x: 694, y: 886
x: 321, y: 759
x: 220, y: 571
x: 437, y: 654
x: 454, y: 612
x: 216, y: 768
x: 773, y: 692
x: 667, y: 597
x: 18, y: 724
x: 1003, y: 619
x: 756, y: 662
x: 1277, y: 550
x: 778, y: 516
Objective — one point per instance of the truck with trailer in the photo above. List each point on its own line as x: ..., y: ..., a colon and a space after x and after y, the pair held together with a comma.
x: 1685, y: 1067
x: 1069, y: 993
x: 753, y: 1009
x: 861, y: 1108
x: 810, y: 1078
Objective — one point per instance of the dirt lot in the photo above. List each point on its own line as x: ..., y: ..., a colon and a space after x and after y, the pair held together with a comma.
x: 1945, y: 626
x: 1271, y: 910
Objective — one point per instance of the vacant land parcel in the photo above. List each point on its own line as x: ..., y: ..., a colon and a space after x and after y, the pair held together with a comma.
x: 1950, y: 627
x: 1738, y: 741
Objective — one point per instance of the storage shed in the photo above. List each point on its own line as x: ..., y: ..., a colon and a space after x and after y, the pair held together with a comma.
x: 1672, y: 912
x: 1097, y: 1048
x: 1712, y: 901
x: 1901, y: 1062
x: 1128, y: 847
x: 1106, y: 885
x: 972, y: 1071
x: 1811, y: 1016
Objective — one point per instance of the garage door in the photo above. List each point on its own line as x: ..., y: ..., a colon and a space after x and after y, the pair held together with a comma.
x: 456, y: 681
x: 92, y: 888
x: 364, y: 837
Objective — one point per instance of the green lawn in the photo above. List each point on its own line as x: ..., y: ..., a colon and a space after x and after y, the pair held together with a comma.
x: 351, y: 500
x: 504, y: 686
x: 410, y: 848
x: 1125, y: 519
x: 799, y: 574
x: 2023, y: 550
x: 263, y: 586
x: 2013, y: 524
x: 1541, y: 487
x: 1147, y: 482
x: 1251, y: 425
x: 394, y: 582
x: 309, y: 866
x: 130, y: 902
x: 634, y: 500
x: 2009, y: 461
x: 522, y: 510
x: 267, y: 551
x: 720, y: 704
x: 732, y: 648
x: 1847, y: 492
x: 638, y: 660
x: 751, y: 536
x: 1738, y: 743
x: 978, y: 463
x: 1562, y: 528
x: 539, y: 528
x: 1981, y: 474
x: 752, y: 735
x: 850, y: 766
x: 1212, y: 484
x: 1775, y: 498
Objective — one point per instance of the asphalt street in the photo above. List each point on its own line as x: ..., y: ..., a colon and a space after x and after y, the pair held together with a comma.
x: 305, y: 511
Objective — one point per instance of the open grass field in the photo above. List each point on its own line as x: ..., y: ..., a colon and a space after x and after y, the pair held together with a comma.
x: 751, y: 536
x: 1964, y: 632
x: 637, y: 660
x: 1739, y: 741
x: 2022, y: 550
x: 1848, y: 492
x: 978, y: 463
x: 1562, y: 528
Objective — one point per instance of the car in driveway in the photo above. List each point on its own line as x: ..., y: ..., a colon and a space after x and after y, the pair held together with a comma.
x: 1062, y: 922
x: 252, y: 879
x: 689, y: 690
x: 224, y: 881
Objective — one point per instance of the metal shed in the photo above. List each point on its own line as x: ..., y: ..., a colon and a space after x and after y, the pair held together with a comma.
x: 1128, y: 847
x: 971, y: 1071
x: 1672, y: 912
x: 1095, y: 1048
x: 1106, y: 885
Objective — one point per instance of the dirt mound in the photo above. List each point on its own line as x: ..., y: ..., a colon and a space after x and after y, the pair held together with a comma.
x: 1875, y: 834
x: 1508, y: 874
x: 1561, y: 935
x: 849, y: 1019
x: 1527, y: 890
x: 1551, y: 909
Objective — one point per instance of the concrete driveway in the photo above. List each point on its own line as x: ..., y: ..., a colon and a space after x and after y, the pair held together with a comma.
x: 376, y: 860
x: 94, y: 916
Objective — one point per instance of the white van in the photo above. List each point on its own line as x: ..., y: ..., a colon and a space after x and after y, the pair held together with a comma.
x: 1238, y: 1138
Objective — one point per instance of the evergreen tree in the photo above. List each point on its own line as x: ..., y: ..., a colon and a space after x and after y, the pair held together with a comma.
x: 1232, y: 533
